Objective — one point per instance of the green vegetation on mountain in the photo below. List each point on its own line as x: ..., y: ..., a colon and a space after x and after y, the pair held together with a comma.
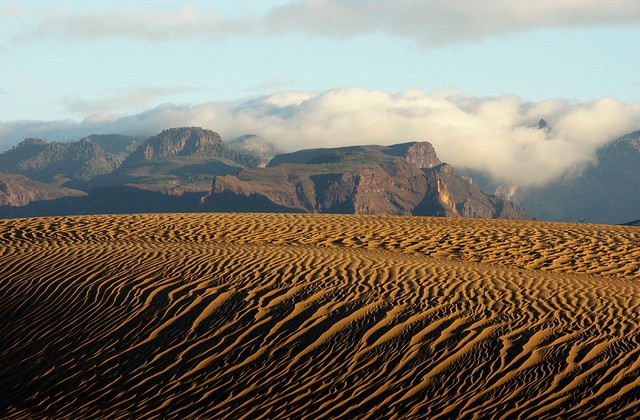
x: 116, y: 144
x: 181, y: 160
x: 190, y: 142
x: 54, y: 161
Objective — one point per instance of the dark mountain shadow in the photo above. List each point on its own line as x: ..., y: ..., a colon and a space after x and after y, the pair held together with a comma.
x: 117, y: 199
x: 228, y: 201
x: 214, y: 168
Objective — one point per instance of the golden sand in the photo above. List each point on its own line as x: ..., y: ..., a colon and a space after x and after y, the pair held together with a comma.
x: 317, y: 316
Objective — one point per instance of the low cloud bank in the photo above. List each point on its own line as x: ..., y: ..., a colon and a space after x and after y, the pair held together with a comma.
x: 498, y: 135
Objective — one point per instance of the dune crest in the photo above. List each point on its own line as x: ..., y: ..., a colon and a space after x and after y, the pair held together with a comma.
x: 309, y: 316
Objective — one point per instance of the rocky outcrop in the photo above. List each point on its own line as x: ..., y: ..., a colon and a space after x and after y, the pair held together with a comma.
x: 420, y: 154
x: 182, y: 141
x: 405, y: 179
x: 543, y: 125
x: 186, y: 142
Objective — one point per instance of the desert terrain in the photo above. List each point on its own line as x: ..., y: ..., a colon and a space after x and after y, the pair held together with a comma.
x: 265, y: 316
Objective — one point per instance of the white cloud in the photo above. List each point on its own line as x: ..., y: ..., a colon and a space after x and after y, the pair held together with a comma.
x: 146, y: 25
x: 10, y: 11
x: 430, y: 23
x: 497, y: 135
x: 443, y: 22
x: 129, y: 98
x: 271, y: 85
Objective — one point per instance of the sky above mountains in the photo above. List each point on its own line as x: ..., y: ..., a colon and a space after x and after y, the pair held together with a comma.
x: 472, y: 77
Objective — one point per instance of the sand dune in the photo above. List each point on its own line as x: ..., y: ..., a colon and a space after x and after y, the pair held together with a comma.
x: 317, y: 316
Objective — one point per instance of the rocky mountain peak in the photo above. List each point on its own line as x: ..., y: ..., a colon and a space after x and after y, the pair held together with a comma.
x: 32, y: 141
x: 179, y: 141
x: 446, y: 168
x: 420, y: 154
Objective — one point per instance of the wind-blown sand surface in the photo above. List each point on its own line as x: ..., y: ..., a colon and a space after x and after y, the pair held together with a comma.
x: 310, y: 316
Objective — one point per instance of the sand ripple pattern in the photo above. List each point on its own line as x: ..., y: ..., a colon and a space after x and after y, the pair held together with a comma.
x: 317, y: 316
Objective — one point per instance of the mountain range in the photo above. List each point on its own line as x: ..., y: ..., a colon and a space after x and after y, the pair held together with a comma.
x: 606, y: 190
x: 190, y: 169
x: 403, y: 179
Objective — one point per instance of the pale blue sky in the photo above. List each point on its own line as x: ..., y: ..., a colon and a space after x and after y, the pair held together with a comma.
x: 53, y: 68
x: 472, y: 76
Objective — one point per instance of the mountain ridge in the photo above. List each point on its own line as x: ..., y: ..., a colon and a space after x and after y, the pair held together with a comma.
x: 402, y: 179
x: 191, y: 169
x: 604, y: 191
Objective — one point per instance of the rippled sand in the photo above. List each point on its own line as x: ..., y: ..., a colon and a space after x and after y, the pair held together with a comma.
x: 317, y: 316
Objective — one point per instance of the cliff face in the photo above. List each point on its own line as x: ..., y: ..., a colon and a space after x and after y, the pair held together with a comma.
x: 182, y: 141
x: 419, y: 154
x: 187, y: 143
x: 405, y: 179
x: 471, y: 201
